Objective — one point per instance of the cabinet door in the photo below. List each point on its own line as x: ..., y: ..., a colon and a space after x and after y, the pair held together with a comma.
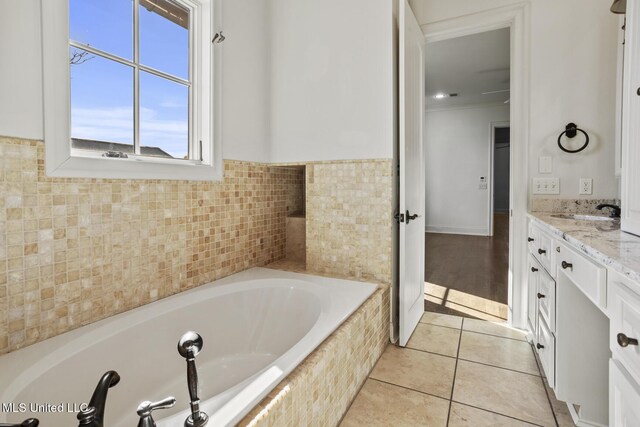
x: 631, y: 122
x: 624, y: 397
x: 535, y: 270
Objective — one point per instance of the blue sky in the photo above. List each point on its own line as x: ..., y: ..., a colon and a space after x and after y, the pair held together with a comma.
x: 102, y: 90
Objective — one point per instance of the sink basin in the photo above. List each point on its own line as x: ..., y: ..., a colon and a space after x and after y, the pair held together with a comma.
x: 579, y: 217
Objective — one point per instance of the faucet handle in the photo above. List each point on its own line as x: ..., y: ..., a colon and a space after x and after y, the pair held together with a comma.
x: 145, y: 408
x: 30, y: 422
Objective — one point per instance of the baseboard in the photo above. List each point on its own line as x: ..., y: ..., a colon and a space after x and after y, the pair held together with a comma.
x: 474, y: 231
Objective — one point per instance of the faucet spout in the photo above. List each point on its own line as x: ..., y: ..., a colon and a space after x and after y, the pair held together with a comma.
x: 615, y: 210
x: 93, y: 416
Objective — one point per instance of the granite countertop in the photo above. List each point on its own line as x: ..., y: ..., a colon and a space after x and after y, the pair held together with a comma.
x: 600, y: 240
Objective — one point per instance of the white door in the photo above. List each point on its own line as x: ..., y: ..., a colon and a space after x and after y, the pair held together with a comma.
x: 411, y: 115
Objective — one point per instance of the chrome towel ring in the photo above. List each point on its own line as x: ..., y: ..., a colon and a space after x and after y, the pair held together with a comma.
x: 571, y: 130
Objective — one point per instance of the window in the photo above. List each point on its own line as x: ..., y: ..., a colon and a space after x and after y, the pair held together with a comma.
x: 132, y: 94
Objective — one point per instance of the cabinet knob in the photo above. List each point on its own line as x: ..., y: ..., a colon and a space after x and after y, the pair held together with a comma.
x: 566, y: 265
x: 539, y: 346
x: 533, y: 269
x: 624, y: 341
x: 540, y: 296
x: 558, y: 249
x: 530, y: 239
x: 638, y: 91
x: 542, y: 251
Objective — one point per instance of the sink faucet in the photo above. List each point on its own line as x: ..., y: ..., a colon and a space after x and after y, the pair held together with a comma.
x: 189, y: 346
x: 93, y: 416
x: 615, y: 210
x: 31, y: 422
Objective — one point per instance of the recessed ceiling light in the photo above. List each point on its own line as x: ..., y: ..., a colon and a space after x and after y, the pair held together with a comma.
x: 441, y: 95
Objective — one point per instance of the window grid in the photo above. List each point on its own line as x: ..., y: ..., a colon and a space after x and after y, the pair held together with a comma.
x: 137, y: 67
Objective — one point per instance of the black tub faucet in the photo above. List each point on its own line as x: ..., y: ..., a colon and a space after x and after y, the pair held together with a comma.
x: 93, y: 416
x: 31, y: 422
x: 615, y: 209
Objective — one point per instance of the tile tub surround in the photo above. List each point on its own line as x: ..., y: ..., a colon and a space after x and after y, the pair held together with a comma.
x: 319, y: 391
x: 601, y: 240
x: 74, y: 251
x: 576, y: 206
x: 349, y: 218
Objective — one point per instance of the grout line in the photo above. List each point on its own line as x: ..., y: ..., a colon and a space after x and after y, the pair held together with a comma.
x: 500, y: 367
x: 455, y: 370
x: 496, y: 413
x: 408, y: 388
x: 544, y: 386
x: 471, y: 361
x: 440, y: 326
x: 497, y: 336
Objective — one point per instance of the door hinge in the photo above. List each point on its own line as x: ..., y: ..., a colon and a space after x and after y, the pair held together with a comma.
x: 399, y: 217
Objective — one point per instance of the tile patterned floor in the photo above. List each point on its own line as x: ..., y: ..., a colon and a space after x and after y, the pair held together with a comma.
x: 458, y: 372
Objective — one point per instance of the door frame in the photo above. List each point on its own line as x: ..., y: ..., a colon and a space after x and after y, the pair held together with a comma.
x: 492, y: 147
x: 515, y: 17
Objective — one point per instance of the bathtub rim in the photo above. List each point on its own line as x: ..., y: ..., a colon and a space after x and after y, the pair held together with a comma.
x: 32, y: 365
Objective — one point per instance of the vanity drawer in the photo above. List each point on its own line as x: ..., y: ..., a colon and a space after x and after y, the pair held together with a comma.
x: 589, y: 277
x: 624, y: 311
x: 546, y: 296
x: 546, y: 347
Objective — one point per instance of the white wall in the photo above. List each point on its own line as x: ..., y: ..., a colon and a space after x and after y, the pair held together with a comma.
x: 331, y: 80
x: 245, y: 118
x: 21, y: 69
x: 572, y: 79
x: 246, y: 80
x: 457, y: 154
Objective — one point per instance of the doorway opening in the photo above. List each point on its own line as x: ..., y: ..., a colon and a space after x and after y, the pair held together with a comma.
x: 468, y: 175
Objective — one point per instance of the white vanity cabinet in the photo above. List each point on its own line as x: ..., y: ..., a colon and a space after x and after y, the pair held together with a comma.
x: 630, y: 173
x: 624, y: 367
x: 569, y: 327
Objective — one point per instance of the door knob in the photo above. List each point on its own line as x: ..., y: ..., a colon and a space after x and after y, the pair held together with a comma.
x: 410, y: 217
x: 625, y: 341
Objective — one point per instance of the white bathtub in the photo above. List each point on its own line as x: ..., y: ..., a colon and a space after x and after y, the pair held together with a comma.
x: 257, y: 326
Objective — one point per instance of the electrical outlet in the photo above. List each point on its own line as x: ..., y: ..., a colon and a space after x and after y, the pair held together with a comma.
x: 546, y: 185
x: 586, y: 186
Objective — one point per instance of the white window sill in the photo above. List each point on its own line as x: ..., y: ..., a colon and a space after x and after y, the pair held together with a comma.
x: 134, y: 168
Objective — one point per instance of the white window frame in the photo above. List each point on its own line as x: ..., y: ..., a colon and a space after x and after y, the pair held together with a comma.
x: 63, y: 161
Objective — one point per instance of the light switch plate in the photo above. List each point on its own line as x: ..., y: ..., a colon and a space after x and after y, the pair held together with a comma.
x: 545, y: 164
x: 546, y: 185
x: 586, y: 186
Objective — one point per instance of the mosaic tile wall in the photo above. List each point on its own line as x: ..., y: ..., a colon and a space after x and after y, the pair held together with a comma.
x: 319, y: 391
x: 73, y: 251
x: 349, y: 219
x: 295, y: 190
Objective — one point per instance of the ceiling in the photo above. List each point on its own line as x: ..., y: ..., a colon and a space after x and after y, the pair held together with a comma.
x: 468, y: 66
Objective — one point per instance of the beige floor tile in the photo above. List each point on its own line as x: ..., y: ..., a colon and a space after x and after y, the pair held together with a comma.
x: 492, y: 328
x: 380, y: 404
x: 436, y: 339
x: 559, y: 409
x: 497, y: 351
x: 417, y: 370
x: 506, y: 392
x: 466, y: 416
x: 442, y: 320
